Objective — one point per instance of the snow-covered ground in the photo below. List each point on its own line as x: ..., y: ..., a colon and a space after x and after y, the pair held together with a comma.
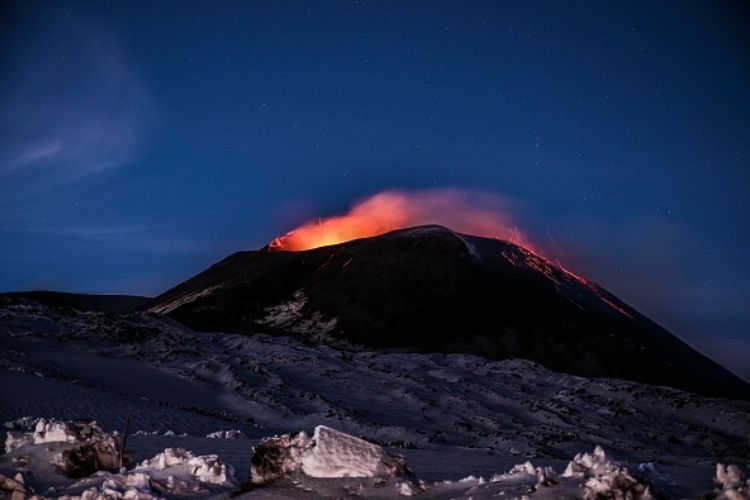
x: 450, y: 416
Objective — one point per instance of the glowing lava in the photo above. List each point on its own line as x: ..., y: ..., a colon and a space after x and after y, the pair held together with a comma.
x: 472, y: 213
x: 466, y: 212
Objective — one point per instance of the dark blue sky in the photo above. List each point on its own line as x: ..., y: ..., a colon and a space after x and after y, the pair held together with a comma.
x: 142, y: 141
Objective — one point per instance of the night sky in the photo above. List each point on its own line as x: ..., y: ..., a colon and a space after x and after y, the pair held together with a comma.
x: 142, y: 141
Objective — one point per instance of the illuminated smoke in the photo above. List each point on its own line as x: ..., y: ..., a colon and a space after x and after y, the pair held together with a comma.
x: 467, y: 212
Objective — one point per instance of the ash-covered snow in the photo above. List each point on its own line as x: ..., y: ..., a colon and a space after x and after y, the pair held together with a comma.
x: 331, y: 463
x: 290, y: 315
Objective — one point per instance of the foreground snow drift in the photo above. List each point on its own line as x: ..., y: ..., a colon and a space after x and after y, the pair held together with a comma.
x: 328, y: 454
x: 198, y: 383
x: 449, y: 415
x: 78, y: 459
x: 83, y: 448
x: 334, y: 454
x: 330, y: 463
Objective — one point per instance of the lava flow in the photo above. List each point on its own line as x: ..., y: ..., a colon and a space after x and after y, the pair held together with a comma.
x: 466, y: 212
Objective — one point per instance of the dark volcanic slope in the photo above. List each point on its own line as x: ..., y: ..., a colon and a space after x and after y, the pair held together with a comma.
x: 430, y: 289
x: 83, y: 302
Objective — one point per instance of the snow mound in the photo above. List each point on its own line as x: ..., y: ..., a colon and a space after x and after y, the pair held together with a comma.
x: 209, y: 469
x: 605, y: 478
x: 545, y: 476
x: 174, y: 473
x: 732, y: 483
x: 122, y: 486
x: 327, y: 454
x: 93, y: 448
x: 50, y: 431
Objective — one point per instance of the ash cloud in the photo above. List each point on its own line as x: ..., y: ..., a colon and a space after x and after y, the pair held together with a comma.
x: 464, y: 211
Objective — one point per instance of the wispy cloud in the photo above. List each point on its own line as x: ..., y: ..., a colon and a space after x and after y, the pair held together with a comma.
x: 141, y: 238
x: 74, y: 106
x: 95, y: 231
x: 74, y: 109
x: 32, y: 154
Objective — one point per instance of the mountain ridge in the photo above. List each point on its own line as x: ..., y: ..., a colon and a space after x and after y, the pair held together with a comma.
x: 429, y: 289
x: 107, y: 303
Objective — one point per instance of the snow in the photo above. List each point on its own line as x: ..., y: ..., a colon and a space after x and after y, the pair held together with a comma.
x: 450, y: 416
x: 290, y: 315
x: 174, y: 472
x: 327, y: 454
x: 179, y: 462
x: 49, y: 431
x: 226, y: 434
x: 732, y: 483
x: 84, y: 447
x: 15, y: 440
x: 79, y: 460
x: 186, y: 299
x: 605, y: 478
x: 729, y: 476
x: 331, y: 461
x: 335, y: 454
x: 167, y: 433
x: 26, y: 423
x: 286, y: 313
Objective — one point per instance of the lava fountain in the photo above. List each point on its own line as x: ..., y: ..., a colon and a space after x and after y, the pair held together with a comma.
x: 468, y: 212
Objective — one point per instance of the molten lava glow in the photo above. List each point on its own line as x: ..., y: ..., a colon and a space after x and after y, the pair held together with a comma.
x: 471, y: 213
x: 465, y: 212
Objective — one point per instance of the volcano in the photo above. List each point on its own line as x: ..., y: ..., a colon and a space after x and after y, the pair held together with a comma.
x: 430, y: 289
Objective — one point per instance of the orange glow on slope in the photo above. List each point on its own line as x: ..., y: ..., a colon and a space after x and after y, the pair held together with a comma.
x: 556, y: 273
x: 471, y: 213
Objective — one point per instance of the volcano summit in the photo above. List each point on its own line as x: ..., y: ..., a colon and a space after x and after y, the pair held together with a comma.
x: 429, y: 289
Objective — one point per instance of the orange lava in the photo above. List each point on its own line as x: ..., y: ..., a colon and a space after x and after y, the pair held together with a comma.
x: 462, y: 211
x: 472, y: 213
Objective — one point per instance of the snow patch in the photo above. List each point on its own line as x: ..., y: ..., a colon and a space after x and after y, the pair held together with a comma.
x: 174, y: 473
x: 291, y: 315
x: 286, y: 313
x: 227, y: 434
x: 186, y: 299
x: 51, y: 431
